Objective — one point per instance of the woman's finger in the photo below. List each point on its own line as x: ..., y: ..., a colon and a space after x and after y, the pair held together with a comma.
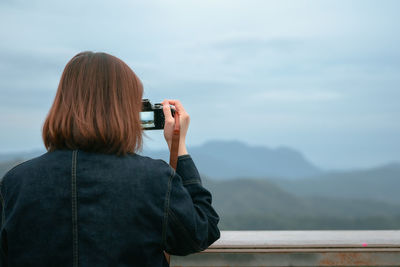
x: 179, y: 107
x: 167, y: 111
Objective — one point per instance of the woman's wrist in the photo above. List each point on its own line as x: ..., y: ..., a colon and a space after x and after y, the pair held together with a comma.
x: 182, y: 148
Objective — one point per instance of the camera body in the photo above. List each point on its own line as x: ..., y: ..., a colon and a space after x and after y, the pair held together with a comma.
x: 152, y: 116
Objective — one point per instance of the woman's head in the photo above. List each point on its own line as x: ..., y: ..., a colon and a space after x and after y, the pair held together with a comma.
x: 96, y: 108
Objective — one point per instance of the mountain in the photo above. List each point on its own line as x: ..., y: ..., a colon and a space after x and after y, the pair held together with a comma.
x: 228, y: 159
x: 380, y: 183
x: 256, y: 204
x: 289, y: 194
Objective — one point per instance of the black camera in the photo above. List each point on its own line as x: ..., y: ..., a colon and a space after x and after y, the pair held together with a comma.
x: 152, y: 116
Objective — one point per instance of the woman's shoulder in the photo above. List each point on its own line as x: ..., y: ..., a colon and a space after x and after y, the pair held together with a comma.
x: 124, y: 165
x: 154, y: 164
x: 22, y: 167
x: 59, y: 159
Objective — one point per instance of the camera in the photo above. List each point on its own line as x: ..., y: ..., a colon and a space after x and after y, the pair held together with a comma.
x: 152, y: 116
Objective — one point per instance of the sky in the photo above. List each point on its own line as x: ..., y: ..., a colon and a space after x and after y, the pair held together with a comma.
x: 322, y: 77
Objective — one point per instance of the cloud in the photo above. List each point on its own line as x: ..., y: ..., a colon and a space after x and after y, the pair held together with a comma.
x: 296, y: 95
x: 301, y: 69
x: 251, y: 42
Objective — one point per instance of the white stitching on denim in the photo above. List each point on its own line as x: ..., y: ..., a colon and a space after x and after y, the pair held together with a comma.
x: 74, y: 211
x: 166, y: 207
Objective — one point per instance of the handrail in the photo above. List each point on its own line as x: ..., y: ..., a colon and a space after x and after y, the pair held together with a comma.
x: 299, y: 248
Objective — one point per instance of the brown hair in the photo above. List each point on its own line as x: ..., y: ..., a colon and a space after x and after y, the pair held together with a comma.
x: 96, y: 108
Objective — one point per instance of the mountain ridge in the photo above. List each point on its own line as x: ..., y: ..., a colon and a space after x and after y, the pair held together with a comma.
x: 224, y: 160
x: 229, y: 159
x: 350, y: 199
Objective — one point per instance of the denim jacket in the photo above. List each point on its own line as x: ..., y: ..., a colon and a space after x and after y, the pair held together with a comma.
x: 77, y: 208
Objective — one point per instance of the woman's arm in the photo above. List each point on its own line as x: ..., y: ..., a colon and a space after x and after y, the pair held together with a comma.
x: 191, y: 222
x: 184, y: 121
x: 3, y: 240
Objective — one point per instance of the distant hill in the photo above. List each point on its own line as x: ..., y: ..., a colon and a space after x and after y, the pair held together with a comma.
x: 380, y: 183
x: 289, y: 193
x: 260, y: 204
x: 229, y: 159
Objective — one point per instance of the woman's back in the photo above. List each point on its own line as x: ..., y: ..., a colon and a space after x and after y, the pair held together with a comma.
x: 71, y: 207
x: 91, y: 200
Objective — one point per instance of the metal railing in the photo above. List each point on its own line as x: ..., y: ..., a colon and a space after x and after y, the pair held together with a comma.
x: 299, y: 248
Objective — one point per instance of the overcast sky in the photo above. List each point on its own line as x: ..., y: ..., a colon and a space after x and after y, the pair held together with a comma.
x: 322, y: 77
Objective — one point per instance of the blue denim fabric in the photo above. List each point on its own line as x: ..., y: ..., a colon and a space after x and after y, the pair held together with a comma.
x: 77, y: 208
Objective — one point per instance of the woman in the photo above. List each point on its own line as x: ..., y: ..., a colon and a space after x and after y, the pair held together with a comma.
x: 91, y: 200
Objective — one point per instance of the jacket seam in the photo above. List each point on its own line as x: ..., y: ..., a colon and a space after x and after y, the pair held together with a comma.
x: 2, y: 204
x: 182, y: 157
x: 74, y: 211
x: 166, y: 207
x: 185, y: 231
x: 191, y: 181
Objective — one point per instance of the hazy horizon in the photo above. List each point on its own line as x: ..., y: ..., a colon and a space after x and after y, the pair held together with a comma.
x: 147, y: 149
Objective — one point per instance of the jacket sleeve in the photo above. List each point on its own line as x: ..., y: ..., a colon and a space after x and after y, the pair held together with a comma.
x: 190, y: 221
x: 3, y: 260
x: 1, y: 205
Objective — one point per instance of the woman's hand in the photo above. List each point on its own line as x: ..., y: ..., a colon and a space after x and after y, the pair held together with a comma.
x: 184, y: 121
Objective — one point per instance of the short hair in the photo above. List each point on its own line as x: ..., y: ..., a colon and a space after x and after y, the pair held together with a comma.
x: 96, y: 108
